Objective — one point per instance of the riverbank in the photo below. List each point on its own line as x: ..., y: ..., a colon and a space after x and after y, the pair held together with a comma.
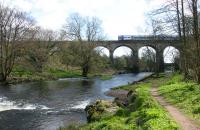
x: 19, y: 76
x: 137, y: 109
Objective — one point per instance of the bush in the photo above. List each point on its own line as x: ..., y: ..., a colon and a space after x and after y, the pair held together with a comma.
x: 122, y: 112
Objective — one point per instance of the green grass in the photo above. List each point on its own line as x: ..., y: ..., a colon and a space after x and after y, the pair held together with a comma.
x: 102, y: 76
x: 20, y: 74
x: 185, y: 95
x: 106, y: 77
x: 64, y: 74
x: 142, y: 113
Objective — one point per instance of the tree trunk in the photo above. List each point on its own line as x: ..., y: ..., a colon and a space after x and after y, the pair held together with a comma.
x: 195, y: 22
x: 196, y: 39
x: 3, y: 78
x: 178, y: 18
x: 185, y: 66
x: 85, y: 70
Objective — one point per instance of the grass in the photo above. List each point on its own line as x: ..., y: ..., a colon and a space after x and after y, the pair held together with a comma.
x: 184, y: 95
x: 64, y: 74
x: 24, y: 73
x: 106, y: 77
x: 103, y: 76
x: 20, y: 74
x: 142, y: 113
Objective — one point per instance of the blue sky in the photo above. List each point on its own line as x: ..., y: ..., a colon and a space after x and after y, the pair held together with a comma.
x: 119, y: 17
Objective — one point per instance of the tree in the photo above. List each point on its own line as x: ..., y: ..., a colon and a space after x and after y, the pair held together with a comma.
x: 195, y: 47
x: 46, y: 35
x: 14, y: 26
x: 148, y: 59
x: 120, y: 63
x: 157, y: 30
x: 42, y: 47
x: 85, y: 31
x: 184, y: 18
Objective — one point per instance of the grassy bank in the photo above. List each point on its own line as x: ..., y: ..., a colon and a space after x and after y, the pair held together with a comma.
x: 184, y: 95
x: 64, y: 74
x: 21, y: 75
x: 106, y: 75
x: 142, y: 112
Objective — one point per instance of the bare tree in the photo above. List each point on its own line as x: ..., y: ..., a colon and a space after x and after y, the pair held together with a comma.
x: 45, y: 35
x: 74, y: 27
x: 85, y: 31
x: 185, y: 23
x: 195, y: 19
x: 14, y: 26
x: 43, y: 46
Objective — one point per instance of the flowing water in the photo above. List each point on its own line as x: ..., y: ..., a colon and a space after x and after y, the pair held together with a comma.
x: 52, y: 104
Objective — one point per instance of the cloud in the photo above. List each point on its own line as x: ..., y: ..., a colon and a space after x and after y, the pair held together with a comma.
x: 118, y: 16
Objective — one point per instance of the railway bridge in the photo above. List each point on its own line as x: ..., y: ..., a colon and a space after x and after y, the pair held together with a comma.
x: 159, y: 45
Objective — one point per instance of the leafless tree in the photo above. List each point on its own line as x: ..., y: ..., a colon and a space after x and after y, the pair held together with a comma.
x: 85, y: 31
x: 45, y: 35
x: 14, y: 26
x: 185, y: 20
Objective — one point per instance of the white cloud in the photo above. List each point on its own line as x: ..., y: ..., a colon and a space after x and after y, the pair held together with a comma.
x: 118, y: 16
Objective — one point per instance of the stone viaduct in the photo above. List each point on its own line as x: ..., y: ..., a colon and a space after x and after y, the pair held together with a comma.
x: 158, y: 44
x: 135, y: 45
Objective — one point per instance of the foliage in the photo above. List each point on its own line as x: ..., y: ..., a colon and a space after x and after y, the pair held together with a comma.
x: 148, y: 60
x: 48, y: 60
x: 37, y: 57
x: 185, y: 95
x: 101, y: 109
x: 126, y: 63
x: 21, y: 71
x: 120, y: 63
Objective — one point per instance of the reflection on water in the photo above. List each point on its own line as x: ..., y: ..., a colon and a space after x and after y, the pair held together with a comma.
x: 52, y: 104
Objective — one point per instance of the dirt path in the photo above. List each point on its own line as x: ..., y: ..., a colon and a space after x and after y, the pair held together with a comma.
x: 183, y: 121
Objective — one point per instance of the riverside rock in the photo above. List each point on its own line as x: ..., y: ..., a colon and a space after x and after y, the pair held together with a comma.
x: 100, y: 109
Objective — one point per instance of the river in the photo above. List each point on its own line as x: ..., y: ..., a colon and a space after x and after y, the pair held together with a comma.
x: 48, y: 105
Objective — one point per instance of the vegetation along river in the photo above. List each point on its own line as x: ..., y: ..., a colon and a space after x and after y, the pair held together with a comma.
x: 52, y: 104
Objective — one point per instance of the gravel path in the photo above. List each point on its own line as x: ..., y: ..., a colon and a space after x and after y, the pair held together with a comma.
x: 180, y: 118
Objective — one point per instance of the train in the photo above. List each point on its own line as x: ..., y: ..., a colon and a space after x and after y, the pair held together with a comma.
x: 146, y: 37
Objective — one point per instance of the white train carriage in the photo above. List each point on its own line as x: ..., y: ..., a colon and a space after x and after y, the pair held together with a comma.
x: 146, y: 37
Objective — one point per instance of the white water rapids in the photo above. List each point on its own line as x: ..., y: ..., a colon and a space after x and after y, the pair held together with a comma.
x: 5, y: 105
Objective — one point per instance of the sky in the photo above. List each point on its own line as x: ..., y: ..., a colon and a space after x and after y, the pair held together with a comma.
x: 119, y: 17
